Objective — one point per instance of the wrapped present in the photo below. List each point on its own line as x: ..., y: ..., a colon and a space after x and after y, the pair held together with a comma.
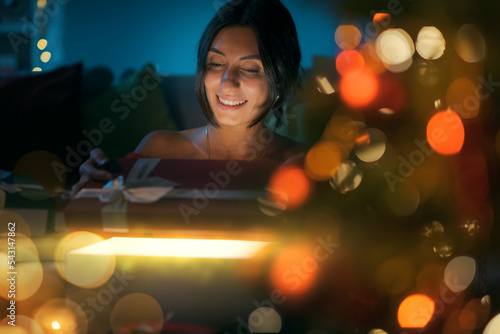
x: 154, y: 195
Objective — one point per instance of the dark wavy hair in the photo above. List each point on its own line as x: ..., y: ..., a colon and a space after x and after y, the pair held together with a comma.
x: 278, y: 48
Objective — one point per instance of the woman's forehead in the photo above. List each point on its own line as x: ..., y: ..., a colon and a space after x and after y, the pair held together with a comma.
x: 236, y: 39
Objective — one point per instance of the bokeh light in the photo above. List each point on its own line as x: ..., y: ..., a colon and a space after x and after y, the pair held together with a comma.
x: 443, y: 248
x: 377, y: 331
x: 343, y: 130
x: 432, y: 229
x: 493, y: 326
x: 403, y: 199
x: 347, y: 177
x: 380, y: 16
x: 324, y: 85
x: 36, y: 69
x: 66, y: 314
x: 45, y: 56
x: 349, y: 62
x: 430, y: 43
x: 470, y: 44
x: 264, y: 320
x: 322, y: 160
x: 360, y: 89
x: 462, y: 96
x: 428, y: 74
x: 395, y: 275
x: 460, y: 273
x: 7, y: 216
x: 370, y: 145
x: 272, y: 203
x: 24, y: 325
x: 347, y: 36
x: 73, y: 267
x: 294, y: 270
x: 136, y: 309
x: 293, y: 182
x: 42, y: 43
x: 415, y: 311
x: 395, y: 48
x: 445, y: 132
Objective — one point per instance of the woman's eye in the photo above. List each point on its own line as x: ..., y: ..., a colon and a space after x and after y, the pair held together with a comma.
x: 215, y: 65
x: 252, y: 70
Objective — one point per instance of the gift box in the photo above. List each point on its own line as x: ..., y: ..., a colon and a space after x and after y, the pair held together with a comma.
x: 150, y: 196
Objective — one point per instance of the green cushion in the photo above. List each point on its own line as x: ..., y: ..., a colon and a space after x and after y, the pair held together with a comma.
x: 118, y: 119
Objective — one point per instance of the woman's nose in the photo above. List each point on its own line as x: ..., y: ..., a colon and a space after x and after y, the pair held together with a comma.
x: 230, y: 78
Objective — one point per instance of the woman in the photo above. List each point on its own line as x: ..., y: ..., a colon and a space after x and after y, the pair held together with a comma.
x: 248, y: 65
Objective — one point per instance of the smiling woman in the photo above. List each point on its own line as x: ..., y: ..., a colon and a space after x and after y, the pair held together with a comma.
x: 248, y: 65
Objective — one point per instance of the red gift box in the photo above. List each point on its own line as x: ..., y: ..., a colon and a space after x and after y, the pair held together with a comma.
x: 211, y: 195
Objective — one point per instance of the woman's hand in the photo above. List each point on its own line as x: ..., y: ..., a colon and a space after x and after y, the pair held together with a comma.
x: 91, y: 169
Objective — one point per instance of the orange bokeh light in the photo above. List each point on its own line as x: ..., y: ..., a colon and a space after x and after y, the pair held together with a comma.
x: 323, y: 160
x: 349, y: 62
x: 291, y: 183
x: 378, y: 17
x: 360, y: 89
x: 415, y: 311
x: 445, y: 132
x: 294, y: 270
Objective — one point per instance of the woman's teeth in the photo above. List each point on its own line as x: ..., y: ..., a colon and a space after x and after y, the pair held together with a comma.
x: 231, y: 103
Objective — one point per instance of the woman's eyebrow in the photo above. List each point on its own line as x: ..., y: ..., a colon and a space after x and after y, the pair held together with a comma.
x: 257, y: 57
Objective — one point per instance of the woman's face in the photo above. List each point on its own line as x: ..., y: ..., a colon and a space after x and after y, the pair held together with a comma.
x: 235, y: 81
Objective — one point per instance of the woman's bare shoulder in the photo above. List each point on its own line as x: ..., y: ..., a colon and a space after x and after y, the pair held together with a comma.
x: 168, y: 144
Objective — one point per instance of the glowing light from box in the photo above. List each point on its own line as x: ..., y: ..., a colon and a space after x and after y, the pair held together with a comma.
x: 291, y: 182
x: 322, y: 160
x: 170, y: 247
x: 395, y: 49
x: 462, y: 95
x: 349, y: 62
x: 42, y: 43
x: 470, y: 44
x: 445, y: 132
x: 61, y: 313
x: 347, y: 36
x: 45, y: 56
x: 36, y: 69
x: 359, y: 90
x: 264, y: 320
x: 73, y: 267
x: 415, y: 311
x: 460, y: 273
x: 56, y: 325
x: 430, y: 43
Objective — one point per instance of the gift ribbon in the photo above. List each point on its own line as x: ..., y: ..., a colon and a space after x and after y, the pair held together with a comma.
x: 137, y: 188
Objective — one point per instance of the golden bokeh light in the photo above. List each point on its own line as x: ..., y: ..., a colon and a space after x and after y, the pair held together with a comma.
x: 432, y: 229
x: 62, y: 313
x: 380, y: 16
x: 264, y: 320
x: 430, y: 43
x: 443, y: 248
x: 45, y: 56
x: 460, y: 273
x: 294, y: 270
x: 372, y: 60
x: 377, y: 331
x: 343, y: 130
x: 73, y: 267
x: 42, y: 43
x: 415, y: 311
x: 395, y: 47
x: 272, y: 203
x: 445, y: 132
x: 349, y: 62
x: 134, y: 310
x: 370, y: 145
x: 36, y: 69
x: 322, y: 160
x: 24, y: 325
x: 347, y: 177
x: 21, y: 225
x: 493, y: 326
x: 360, y: 89
x: 470, y: 44
x: 347, y: 36
x: 462, y: 96
x: 293, y: 182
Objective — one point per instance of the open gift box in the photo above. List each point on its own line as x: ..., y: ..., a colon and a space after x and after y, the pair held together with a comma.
x: 188, y: 195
